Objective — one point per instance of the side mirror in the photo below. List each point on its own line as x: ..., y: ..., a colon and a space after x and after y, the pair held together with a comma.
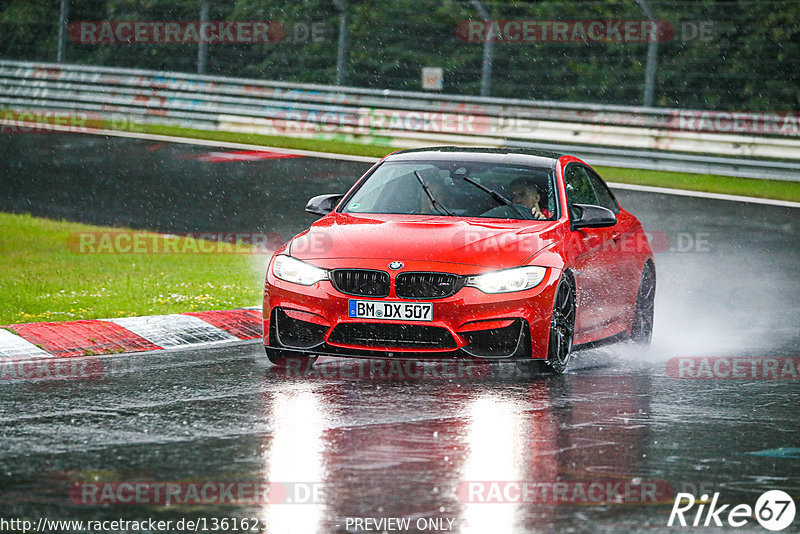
x: 588, y: 216
x: 323, y: 204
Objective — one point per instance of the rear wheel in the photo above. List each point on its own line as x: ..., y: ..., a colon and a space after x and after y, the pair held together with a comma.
x: 642, y: 328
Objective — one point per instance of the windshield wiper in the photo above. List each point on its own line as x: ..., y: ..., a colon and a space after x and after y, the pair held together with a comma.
x: 425, y: 188
x: 495, y: 195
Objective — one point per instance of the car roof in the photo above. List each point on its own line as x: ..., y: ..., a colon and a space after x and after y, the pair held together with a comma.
x: 518, y: 156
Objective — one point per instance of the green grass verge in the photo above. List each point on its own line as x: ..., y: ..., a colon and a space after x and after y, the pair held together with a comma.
x: 730, y: 185
x: 776, y: 189
x: 44, y: 279
x: 338, y: 145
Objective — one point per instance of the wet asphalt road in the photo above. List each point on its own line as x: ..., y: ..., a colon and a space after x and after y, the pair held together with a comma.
x: 728, y: 285
x: 161, y: 186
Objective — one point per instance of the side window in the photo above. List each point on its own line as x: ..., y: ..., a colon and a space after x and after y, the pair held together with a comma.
x: 579, y: 188
x: 604, y: 196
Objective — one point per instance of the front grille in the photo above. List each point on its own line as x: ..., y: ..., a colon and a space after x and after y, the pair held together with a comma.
x: 427, y: 285
x: 392, y: 335
x: 361, y: 282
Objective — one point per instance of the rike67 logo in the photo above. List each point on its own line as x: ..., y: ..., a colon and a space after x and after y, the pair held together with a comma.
x: 774, y: 510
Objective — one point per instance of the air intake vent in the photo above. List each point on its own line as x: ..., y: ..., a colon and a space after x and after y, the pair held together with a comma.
x: 392, y: 335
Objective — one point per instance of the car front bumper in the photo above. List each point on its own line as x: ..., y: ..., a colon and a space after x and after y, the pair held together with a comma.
x: 314, y: 320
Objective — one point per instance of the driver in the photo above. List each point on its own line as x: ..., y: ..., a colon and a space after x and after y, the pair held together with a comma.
x: 525, y: 191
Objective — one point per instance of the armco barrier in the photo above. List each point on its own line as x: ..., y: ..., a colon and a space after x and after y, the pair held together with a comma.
x: 650, y: 138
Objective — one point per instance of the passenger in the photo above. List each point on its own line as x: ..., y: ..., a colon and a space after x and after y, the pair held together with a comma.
x: 526, y: 192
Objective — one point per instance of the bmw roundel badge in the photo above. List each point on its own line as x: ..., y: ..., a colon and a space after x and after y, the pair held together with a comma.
x: 396, y: 265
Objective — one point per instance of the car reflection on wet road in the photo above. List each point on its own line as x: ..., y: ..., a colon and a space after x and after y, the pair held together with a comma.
x: 378, y: 447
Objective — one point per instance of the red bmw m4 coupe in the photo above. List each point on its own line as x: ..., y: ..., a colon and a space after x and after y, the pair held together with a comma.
x: 502, y: 255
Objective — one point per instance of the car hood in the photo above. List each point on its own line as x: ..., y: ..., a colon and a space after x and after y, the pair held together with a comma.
x: 471, y: 241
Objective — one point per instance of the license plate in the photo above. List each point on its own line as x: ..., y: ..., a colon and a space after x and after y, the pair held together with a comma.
x: 398, y: 311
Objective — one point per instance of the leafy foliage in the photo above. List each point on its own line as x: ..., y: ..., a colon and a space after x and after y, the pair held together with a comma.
x: 724, y: 54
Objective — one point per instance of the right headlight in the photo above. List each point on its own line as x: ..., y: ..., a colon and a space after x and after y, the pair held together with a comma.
x: 298, y: 272
x: 508, y: 280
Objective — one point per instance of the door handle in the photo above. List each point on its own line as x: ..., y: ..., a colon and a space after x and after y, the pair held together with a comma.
x: 616, y: 236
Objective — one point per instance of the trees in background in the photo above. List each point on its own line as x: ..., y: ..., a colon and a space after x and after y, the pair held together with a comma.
x: 724, y: 54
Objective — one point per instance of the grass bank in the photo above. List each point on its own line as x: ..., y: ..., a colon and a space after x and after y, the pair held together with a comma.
x: 45, y: 277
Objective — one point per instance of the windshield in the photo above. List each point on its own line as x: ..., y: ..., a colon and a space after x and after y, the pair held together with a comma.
x: 450, y: 188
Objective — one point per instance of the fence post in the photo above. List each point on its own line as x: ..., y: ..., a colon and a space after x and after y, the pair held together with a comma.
x: 652, y: 57
x: 341, y: 56
x: 488, y: 52
x: 202, y: 45
x: 63, y: 15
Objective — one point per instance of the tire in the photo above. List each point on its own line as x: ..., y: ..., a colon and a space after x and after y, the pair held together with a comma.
x: 285, y: 358
x: 642, y: 327
x: 562, y: 328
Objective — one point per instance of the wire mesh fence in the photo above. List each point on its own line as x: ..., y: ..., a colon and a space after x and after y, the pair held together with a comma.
x: 702, y: 54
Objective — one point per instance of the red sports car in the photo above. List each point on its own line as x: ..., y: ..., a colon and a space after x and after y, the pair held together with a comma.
x: 507, y: 255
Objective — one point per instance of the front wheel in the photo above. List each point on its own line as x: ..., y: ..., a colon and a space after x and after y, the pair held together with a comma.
x: 642, y: 327
x: 562, y: 328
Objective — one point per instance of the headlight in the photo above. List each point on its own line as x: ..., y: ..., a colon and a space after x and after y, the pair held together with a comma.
x: 298, y: 272
x: 508, y: 280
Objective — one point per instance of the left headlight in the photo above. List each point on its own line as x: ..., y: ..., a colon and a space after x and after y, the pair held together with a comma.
x: 508, y: 280
x: 298, y: 272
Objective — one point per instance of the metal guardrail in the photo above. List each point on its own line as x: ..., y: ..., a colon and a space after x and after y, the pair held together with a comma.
x: 646, y: 138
